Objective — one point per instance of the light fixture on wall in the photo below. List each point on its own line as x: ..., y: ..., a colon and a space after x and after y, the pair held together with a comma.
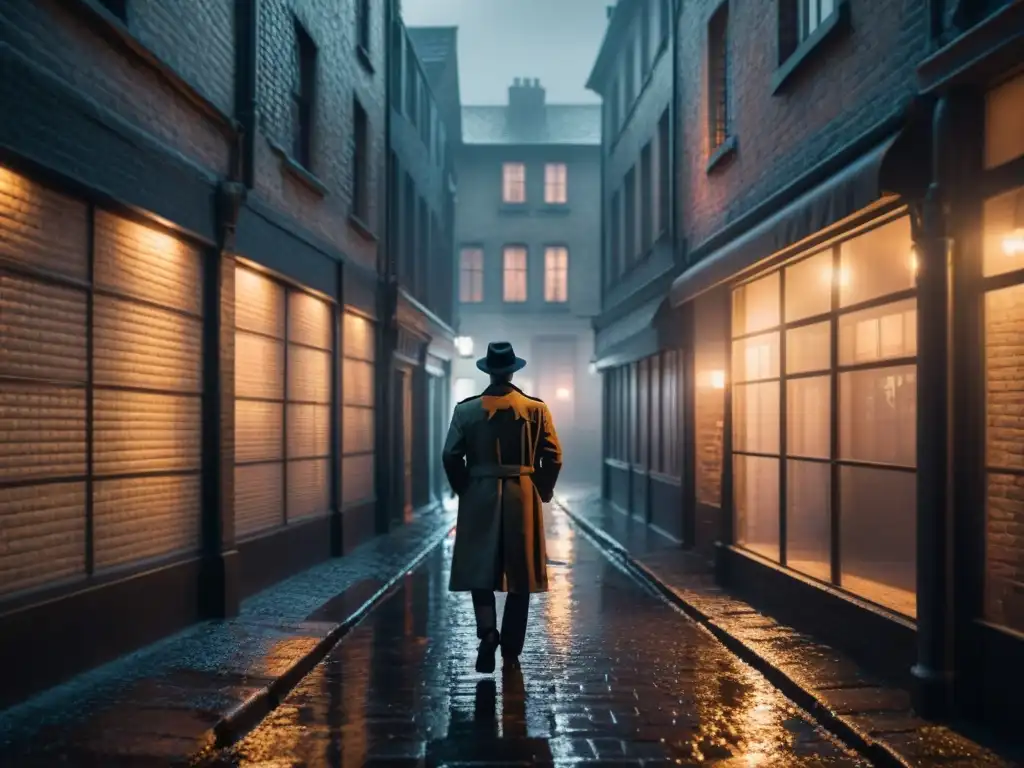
x: 841, y: 276
x: 1013, y: 241
x: 592, y: 368
x: 717, y: 379
x: 464, y: 346
x: 562, y: 393
x: 914, y: 262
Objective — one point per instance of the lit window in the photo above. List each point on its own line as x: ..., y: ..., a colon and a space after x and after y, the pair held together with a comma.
x: 556, y: 274
x: 513, y: 187
x: 515, y: 273
x: 471, y: 275
x: 555, y: 190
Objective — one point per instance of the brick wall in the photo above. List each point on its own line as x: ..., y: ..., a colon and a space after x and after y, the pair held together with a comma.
x: 848, y: 85
x: 59, y: 37
x: 1004, y: 528
x: 340, y: 76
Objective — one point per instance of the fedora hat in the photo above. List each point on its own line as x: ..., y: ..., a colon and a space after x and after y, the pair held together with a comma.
x: 501, y: 359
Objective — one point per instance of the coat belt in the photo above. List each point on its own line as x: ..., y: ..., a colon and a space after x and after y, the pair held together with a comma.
x: 499, y: 470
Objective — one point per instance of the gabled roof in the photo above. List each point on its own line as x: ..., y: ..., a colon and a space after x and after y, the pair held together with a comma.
x: 563, y: 124
x: 618, y: 21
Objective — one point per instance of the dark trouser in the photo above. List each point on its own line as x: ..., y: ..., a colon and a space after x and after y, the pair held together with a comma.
x: 513, y: 623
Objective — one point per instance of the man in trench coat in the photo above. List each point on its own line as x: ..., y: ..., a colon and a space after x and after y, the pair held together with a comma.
x: 502, y: 459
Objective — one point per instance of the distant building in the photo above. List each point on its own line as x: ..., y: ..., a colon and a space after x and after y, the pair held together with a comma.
x: 528, y: 234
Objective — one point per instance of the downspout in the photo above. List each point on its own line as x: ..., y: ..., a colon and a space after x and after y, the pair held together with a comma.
x: 387, y: 300
x: 676, y: 239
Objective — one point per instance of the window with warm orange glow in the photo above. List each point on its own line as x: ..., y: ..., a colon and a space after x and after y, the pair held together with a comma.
x: 788, y: 391
x: 1002, y: 229
x: 513, y: 183
x: 556, y: 189
x: 556, y: 274
x: 514, y: 273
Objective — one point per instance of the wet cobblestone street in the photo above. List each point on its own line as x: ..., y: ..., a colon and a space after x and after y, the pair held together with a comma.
x: 611, y: 675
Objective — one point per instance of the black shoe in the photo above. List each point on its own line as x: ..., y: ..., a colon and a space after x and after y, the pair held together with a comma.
x: 485, y: 653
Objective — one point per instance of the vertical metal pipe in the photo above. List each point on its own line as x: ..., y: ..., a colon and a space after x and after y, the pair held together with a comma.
x: 933, y: 673
x: 835, y: 519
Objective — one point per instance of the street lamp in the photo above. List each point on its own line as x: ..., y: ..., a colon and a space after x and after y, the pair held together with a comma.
x: 592, y: 368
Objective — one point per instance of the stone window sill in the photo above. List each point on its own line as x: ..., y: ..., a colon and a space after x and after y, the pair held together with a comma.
x: 833, y: 27
x: 556, y: 209
x: 515, y: 208
x: 722, y: 154
x: 298, y: 170
x: 362, y: 227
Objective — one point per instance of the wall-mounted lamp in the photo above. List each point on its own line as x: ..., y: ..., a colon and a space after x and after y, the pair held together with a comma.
x: 592, y: 368
x: 464, y: 346
x: 717, y: 379
x: 562, y: 393
x: 1013, y: 241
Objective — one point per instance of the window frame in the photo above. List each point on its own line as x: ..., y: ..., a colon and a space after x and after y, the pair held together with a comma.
x: 556, y: 190
x: 360, y: 162
x: 303, y: 96
x: 509, y: 184
x: 834, y: 373
x: 508, y: 250
x: 551, y: 294
x: 364, y: 24
x: 471, y: 276
x: 718, y: 73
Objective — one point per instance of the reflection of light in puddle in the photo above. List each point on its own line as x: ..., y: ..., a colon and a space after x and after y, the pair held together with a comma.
x: 560, y: 547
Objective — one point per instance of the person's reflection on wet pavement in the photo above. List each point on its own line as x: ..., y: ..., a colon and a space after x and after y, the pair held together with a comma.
x: 479, y: 738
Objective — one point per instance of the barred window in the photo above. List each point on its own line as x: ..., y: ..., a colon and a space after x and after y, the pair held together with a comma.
x: 718, y: 77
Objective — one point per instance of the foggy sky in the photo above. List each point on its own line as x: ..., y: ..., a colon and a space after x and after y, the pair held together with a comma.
x: 554, y: 40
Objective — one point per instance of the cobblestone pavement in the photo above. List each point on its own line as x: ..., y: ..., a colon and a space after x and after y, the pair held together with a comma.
x: 611, y: 675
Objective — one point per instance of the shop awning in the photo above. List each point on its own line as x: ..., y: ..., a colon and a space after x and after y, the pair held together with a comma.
x: 877, y: 177
x: 630, y: 338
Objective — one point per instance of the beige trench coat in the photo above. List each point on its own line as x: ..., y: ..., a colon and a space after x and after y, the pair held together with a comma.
x: 502, y: 458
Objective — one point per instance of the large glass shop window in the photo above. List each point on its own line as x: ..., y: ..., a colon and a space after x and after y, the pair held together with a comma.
x: 824, y: 415
x: 1002, y: 230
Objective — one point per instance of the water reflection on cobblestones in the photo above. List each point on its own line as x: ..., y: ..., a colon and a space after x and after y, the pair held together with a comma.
x: 610, y: 676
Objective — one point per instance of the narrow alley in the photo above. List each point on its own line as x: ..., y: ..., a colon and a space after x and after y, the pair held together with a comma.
x: 401, y: 690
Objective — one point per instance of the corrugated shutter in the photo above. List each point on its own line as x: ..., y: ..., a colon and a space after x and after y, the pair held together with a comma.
x: 43, y: 380
x: 308, y: 419
x: 357, y: 459
x: 147, y: 322
x: 259, y: 402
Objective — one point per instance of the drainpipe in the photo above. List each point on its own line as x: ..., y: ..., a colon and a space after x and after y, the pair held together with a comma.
x: 387, y: 301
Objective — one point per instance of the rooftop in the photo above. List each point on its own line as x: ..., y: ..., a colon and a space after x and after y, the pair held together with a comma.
x: 562, y: 124
x: 434, y: 46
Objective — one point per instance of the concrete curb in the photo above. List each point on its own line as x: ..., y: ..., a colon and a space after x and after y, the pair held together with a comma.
x: 878, y: 752
x: 248, y: 714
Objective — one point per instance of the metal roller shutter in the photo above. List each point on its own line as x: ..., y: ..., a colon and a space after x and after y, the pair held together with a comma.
x: 308, y: 415
x: 58, y: 521
x: 43, y: 385
x: 357, y: 459
x: 147, y: 367
x: 259, y: 402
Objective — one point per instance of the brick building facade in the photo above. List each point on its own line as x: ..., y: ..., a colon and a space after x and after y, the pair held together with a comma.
x: 196, y: 313
x: 847, y: 436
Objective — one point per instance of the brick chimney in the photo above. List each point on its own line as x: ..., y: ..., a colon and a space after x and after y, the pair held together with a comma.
x: 526, y: 100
